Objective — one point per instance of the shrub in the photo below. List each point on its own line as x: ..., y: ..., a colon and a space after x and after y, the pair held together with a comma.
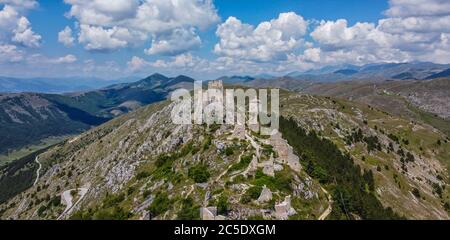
x: 142, y: 175
x: 243, y: 163
x: 162, y: 159
x: 223, y: 205
x: 41, y: 210
x: 113, y: 200
x: 199, y: 173
x: 254, y: 192
x: 416, y: 192
x: 160, y: 204
x: 189, y: 210
x: 229, y: 151
x: 115, y: 213
x: 55, y: 201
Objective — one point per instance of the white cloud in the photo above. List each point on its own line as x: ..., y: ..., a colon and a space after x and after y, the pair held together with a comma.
x: 137, y: 64
x: 10, y: 53
x: 66, y: 59
x: 271, y: 40
x: 176, y: 42
x: 101, y: 39
x: 14, y: 27
x: 65, y: 37
x: 408, y: 8
x: 338, y: 35
x: 20, y: 4
x: 414, y: 30
x: 160, y: 20
x: 24, y: 35
x: 182, y: 62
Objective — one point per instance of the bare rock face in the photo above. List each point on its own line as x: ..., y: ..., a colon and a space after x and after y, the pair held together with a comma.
x: 145, y: 216
x: 285, y: 152
x: 144, y: 205
x: 210, y: 213
x: 284, y: 210
x: 266, y: 195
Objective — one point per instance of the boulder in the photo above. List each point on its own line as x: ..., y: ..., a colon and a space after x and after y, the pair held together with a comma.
x: 208, y: 213
x: 266, y: 195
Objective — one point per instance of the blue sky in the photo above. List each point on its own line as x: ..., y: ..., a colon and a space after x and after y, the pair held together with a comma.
x: 207, y: 39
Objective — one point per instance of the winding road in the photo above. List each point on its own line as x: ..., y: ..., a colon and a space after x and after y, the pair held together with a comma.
x: 66, y: 196
x: 38, y: 170
x: 330, y: 204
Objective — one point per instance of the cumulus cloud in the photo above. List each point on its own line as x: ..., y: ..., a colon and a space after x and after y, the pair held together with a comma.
x: 123, y: 23
x: 414, y: 8
x: 15, y: 27
x: 24, y: 35
x: 101, y: 39
x: 65, y: 37
x: 271, y: 40
x: 175, y: 42
x: 413, y: 30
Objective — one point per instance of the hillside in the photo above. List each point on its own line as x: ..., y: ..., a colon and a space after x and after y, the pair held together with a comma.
x: 374, y: 72
x: 29, y: 118
x: 141, y: 166
x: 426, y: 101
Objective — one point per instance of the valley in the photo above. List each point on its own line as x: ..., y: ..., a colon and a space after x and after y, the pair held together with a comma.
x: 28, y: 120
x: 142, y: 166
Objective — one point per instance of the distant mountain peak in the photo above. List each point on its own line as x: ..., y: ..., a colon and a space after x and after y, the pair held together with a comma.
x: 157, y: 75
x: 346, y: 71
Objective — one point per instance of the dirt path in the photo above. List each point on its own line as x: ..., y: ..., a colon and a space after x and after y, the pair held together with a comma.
x: 254, y: 144
x: 330, y: 205
x: 226, y: 171
x: 190, y: 191
x: 66, y: 196
x: 38, y: 170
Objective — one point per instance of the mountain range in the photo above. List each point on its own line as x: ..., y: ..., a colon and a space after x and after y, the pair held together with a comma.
x: 333, y: 159
x: 380, y: 71
x: 354, y: 149
x: 57, y: 85
x: 27, y: 118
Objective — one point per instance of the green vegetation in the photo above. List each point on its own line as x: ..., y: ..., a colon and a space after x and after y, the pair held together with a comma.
x: 160, y: 204
x: 251, y: 194
x: 18, y: 176
x: 223, y: 205
x: 229, y: 151
x: 349, y: 187
x: 429, y: 118
x: 416, y: 193
x: 282, y: 180
x: 189, y: 210
x: 242, y: 164
x: 199, y: 173
x: 111, y: 208
x: 357, y: 135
